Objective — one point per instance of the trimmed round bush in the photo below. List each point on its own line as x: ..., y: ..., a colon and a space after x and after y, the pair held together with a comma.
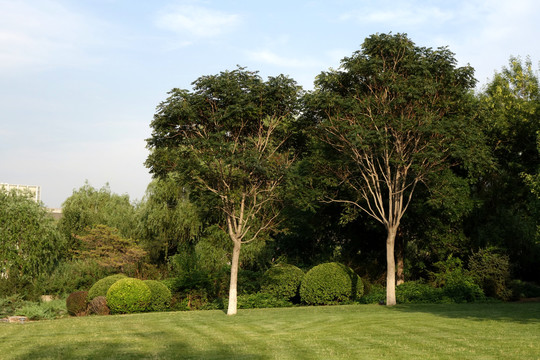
x: 98, y: 306
x: 161, y: 296
x: 330, y: 283
x: 101, y: 287
x: 282, y: 280
x: 76, y: 303
x: 128, y: 296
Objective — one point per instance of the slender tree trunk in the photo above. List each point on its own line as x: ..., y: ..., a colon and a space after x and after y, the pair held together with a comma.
x: 390, y: 267
x: 232, y: 309
x: 400, y: 254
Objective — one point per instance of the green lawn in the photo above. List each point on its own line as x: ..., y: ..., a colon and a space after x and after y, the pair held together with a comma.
x: 468, y: 331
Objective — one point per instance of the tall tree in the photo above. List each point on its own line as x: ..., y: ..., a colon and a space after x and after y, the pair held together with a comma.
x: 393, y: 114
x: 227, y: 139
x: 509, y: 217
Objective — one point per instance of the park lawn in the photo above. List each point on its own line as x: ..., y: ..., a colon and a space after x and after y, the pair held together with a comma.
x: 449, y: 331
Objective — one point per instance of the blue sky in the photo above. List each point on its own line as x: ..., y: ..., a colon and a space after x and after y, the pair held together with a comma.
x: 80, y: 79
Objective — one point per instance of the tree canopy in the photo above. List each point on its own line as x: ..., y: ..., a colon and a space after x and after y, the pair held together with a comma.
x: 227, y: 139
x: 394, y: 113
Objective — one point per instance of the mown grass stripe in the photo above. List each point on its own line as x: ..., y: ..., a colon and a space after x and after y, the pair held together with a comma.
x: 488, y: 331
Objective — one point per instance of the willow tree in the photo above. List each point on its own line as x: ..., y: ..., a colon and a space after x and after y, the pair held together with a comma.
x: 393, y: 114
x: 226, y: 139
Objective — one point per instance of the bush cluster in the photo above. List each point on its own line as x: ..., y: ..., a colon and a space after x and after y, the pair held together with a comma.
x: 282, y: 280
x: 330, y: 283
x: 128, y: 295
x: 101, y: 287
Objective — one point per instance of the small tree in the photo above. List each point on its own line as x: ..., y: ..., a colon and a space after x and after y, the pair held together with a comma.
x: 109, y: 249
x: 393, y: 114
x: 226, y: 139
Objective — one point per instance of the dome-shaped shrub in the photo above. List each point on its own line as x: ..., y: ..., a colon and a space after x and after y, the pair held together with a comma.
x: 98, y: 306
x: 330, y: 283
x: 282, y: 280
x: 128, y: 295
x: 160, y: 296
x: 76, y: 303
x: 101, y: 287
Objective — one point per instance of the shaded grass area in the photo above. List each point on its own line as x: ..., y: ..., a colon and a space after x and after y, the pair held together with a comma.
x: 445, y: 331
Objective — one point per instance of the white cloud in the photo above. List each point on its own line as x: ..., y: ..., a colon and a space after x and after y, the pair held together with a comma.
x: 269, y: 57
x: 399, y: 14
x: 196, y: 20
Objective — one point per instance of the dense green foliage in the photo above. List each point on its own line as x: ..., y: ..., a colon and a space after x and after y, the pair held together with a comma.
x: 491, y: 271
x: 77, y: 303
x: 262, y: 300
x: 392, y: 115
x: 30, y: 245
x: 160, y: 296
x: 508, y: 217
x: 89, y: 206
x: 101, y: 286
x: 71, y: 276
x: 168, y: 220
x: 282, y: 280
x: 330, y: 283
x: 111, y: 251
x: 128, y: 295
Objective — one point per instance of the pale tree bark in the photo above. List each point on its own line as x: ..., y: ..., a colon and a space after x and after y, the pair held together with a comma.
x: 390, y: 267
x: 233, y: 288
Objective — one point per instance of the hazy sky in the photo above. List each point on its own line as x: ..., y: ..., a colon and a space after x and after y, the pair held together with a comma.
x: 80, y: 79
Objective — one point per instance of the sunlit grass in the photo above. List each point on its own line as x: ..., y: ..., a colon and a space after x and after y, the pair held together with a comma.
x: 468, y: 331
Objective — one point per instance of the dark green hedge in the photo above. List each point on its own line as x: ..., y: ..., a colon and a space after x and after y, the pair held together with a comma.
x: 282, y: 280
x: 330, y: 283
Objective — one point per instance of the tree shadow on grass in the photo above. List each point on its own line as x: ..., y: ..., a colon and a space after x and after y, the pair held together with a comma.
x: 105, y: 349
x: 524, y: 313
